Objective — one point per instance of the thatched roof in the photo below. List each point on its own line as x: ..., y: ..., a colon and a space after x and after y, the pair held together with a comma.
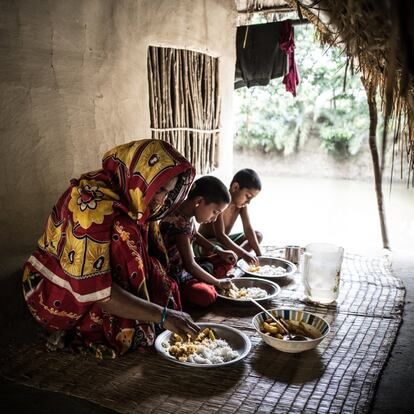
x: 377, y: 37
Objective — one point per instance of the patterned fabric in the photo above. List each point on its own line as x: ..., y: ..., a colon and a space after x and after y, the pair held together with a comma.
x: 170, y: 227
x: 101, y: 230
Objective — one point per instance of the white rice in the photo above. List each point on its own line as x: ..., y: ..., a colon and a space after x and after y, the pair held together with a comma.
x: 255, y: 292
x: 212, y: 352
x: 270, y: 270
x: 245, y: 293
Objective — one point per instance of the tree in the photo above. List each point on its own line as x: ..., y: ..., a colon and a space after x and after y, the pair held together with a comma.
x: 272, y: 120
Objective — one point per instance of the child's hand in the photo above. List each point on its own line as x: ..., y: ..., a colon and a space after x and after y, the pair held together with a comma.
x: 181, y: 324
x: 224, y: 283
x: 228, y: 256
x: 250, y: 259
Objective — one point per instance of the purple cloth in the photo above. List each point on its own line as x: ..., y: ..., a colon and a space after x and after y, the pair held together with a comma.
x: 287, y: 44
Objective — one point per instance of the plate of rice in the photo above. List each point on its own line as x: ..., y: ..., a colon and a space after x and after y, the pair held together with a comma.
x: 245, y: 288
x: 216, y: 346
x: 268, y: 268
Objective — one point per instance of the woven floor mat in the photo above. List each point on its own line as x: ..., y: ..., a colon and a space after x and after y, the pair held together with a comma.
x: 367, y: 287
x: 338, y: 376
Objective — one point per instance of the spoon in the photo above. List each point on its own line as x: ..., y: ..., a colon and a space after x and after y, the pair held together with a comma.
x: 288, y: 336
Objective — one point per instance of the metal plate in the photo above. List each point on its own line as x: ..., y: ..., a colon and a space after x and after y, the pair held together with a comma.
x: 236, y: 339
x: 270, y: 287
x: 265, y: 260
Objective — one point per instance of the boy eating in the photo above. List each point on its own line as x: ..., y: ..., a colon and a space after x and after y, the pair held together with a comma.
x: 197, y: 277
x: 244, y: 187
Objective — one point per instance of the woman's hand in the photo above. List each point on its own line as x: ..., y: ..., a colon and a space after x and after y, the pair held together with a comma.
x: 251, y: 259
x: 224, y: 283
x: 228, y: 256
x: 181, y: 324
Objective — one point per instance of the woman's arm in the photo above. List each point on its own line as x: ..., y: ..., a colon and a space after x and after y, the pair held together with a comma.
x: 125, y: 305
x: 249, y: 232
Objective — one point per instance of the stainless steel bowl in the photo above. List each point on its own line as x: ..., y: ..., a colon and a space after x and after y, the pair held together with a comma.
x: 272, y: 289
x: 264, y: 260
x: 237, y: 340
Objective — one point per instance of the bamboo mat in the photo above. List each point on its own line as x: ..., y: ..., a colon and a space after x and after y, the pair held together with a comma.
x: 338, y: 376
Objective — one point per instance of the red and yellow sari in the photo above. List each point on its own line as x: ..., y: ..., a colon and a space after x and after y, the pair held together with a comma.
x: 102, y: 231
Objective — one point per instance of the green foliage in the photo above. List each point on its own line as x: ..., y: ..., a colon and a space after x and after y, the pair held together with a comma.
x: 272, y: 120
x: 336, y: 140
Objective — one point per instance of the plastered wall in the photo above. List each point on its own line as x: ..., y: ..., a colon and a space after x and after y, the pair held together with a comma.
x: 73, y: 83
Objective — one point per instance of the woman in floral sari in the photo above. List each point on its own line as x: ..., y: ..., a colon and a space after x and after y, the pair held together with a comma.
x: 97, y: 278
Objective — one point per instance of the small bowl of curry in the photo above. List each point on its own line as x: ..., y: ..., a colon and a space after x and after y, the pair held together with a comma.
x: 305, y: 324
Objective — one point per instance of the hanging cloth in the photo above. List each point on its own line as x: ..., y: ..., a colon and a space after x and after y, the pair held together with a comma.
x: 287, y: 44
x: 259, y: 55
x: 264, y: 52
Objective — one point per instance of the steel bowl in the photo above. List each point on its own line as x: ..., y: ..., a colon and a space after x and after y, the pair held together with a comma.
x: 272, y: 289
x: 237, y: 340
x: 265, y: 260
x: 314, y: 323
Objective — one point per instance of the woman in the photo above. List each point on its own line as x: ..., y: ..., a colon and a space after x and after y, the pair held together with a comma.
x: 97, y: 279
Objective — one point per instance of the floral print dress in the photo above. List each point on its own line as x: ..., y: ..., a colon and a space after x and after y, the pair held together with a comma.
x: 102, y: 231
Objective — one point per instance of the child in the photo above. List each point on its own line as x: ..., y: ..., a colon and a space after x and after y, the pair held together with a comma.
x: 207, y: 198
x: 243, y: 188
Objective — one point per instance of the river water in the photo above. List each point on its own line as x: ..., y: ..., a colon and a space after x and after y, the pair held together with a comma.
x: 344, y: 212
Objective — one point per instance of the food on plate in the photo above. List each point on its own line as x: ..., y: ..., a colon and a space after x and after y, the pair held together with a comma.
x: 253, y: 268
x: 267, y: 270
x: 244, y: 293
x: 205, y: 349
x: 270, y: 327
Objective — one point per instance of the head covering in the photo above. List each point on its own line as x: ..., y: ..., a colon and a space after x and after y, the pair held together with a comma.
x: 131, y: 175
x: 75, y: 247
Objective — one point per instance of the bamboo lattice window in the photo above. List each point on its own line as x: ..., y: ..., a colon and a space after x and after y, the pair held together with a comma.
x: 185, y: 103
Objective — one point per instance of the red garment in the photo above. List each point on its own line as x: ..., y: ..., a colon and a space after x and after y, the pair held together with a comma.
x: 128, y: 263
x: 101, y: 231
x: 202, y: 294
x: 198, y: 293
x: 287, y: 44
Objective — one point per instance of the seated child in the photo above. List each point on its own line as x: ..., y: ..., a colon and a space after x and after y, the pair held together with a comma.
x: 243, y: 188
x: 207, y: 198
